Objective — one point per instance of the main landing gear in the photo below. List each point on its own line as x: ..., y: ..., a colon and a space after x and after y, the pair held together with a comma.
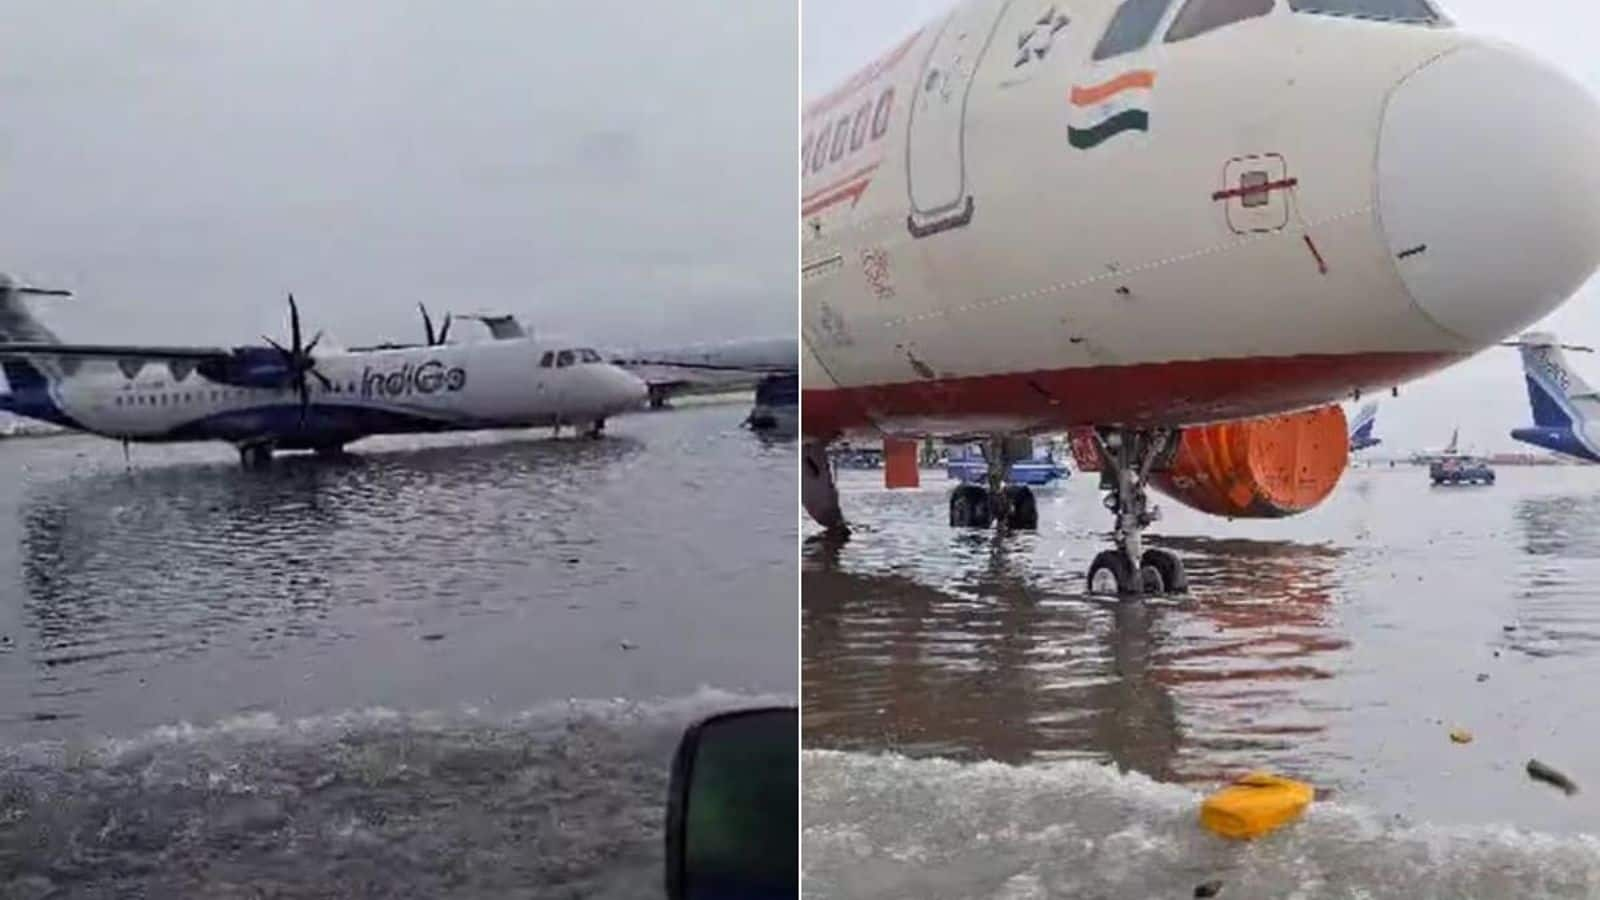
x: 1126, y: 457
x: 596, y: 429
x: 255, y: 456
x: 818, y: 493
x: 1012, y: 506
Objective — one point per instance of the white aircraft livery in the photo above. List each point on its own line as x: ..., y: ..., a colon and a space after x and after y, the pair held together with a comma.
x: 1181, y: 231
x: 271, y: 397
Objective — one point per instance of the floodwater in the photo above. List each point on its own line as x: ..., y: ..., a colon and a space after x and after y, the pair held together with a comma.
x: 448, y: 666
x: 976, y: 727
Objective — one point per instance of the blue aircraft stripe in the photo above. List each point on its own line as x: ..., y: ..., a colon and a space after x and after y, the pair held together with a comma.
x: 1548, y: 409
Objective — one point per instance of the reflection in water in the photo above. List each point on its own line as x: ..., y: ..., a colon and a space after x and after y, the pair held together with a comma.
x: 998, y: 663
x: 495, y: 571
x: 162, y: 560
x: 1556, y: 614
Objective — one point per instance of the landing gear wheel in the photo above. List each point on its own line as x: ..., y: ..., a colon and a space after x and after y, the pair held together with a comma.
x: 596, y: 429
x: 255, y: 456
x: 1022, y: 511
x: 969, y: 507
x: 1169, y: 568
x: 1111, y: 575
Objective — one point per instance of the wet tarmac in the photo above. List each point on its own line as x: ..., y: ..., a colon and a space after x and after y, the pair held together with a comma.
x: 979, y: 728
x: 447, y: 666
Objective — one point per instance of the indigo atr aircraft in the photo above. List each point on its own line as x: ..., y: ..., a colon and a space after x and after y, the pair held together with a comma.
x: 1184, y: 230
x: 270, y: 397
x: 1566, y: 410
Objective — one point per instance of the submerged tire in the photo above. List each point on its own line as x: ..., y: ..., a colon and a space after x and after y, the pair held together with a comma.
x: 969, y: 507
x: 1112, y: 575
x: 1024, y: 509
x: 1166, y: 563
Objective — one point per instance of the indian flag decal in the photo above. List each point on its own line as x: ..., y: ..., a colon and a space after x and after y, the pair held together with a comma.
x: 1102, y: 111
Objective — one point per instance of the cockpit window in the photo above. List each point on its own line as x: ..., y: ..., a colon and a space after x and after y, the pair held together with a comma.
x: 589, y: 356
x: 564, y: 358
x: 1131, y: 27
x: 1200, y: 16
x: 1420, y: 11
x: 548, y: 359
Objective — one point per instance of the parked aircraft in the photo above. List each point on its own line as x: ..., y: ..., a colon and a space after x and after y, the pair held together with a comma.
x: 268, y: 397
x: 1185, y: 229
x: 710, y: 367
x: 1361, y: 428
x: 1566, y: 410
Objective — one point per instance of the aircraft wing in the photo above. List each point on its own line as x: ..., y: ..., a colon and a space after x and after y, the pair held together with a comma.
x: 112, y: 351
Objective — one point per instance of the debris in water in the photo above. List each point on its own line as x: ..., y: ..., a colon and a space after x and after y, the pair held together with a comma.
x: 1541, y: 772
x: 1209, y: 889
x: 1254, y: 805
x: 1508, y: 627
x: 1460, y: 736
x: 1482, y: 677
x: 629, y: 645
x: 433, y: 636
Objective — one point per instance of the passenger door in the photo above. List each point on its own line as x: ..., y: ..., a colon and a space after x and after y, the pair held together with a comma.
x: 936, y: 177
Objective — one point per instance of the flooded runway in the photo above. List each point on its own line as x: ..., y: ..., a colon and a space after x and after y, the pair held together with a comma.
x: 444, y: 666
x: 962, y: 696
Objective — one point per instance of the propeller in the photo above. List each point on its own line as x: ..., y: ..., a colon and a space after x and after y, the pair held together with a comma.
x: 427, y: 327
x: 298, y: 360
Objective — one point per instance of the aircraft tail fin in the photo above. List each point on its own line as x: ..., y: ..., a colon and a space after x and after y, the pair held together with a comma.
x: 1361, y: 428
x: 18, y: 325
x: 1558, y: 395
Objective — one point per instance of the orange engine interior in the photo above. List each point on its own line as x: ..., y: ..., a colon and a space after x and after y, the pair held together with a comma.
x: 1259, y: 468
x: 1249, y: 469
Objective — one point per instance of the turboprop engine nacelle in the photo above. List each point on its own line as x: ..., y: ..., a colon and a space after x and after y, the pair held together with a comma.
x: 1251, y: 468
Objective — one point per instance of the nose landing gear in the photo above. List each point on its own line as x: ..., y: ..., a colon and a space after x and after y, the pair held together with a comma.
x: 1012, y: 506
x: 1126, y: 457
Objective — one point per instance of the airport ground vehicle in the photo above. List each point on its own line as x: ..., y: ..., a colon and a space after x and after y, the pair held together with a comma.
x: 1461, y: 470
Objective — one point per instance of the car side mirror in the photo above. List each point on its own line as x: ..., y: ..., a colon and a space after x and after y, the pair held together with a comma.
x: 733, y: 807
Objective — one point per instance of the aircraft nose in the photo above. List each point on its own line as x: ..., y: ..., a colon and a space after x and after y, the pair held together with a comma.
x: 1489, y: 189
x: 630, y: 390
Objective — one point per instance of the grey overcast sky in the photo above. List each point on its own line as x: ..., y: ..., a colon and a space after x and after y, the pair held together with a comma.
x: 604, y: 168
x: 1485, y: 395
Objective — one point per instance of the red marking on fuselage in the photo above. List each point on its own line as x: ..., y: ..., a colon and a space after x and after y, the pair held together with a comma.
x: 851, y: 192
x: 1266, y: 187
x: 861, y: 79
x: 1155, y: 394
x: 835, y: 185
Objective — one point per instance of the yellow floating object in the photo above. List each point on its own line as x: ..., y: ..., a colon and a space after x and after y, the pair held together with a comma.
x: 1254, y: 805
x: 1461, y: 736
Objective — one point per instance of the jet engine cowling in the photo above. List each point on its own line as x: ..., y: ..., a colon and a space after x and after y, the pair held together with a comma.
x: 1258, y: 468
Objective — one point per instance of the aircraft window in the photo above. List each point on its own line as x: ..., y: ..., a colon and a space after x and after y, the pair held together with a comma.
x: 564, y: 358
x: 1131, y: 27
x: 1200, y: 16
x: 547, y: 360
x: 589, y: 356
x: 1420, y: 11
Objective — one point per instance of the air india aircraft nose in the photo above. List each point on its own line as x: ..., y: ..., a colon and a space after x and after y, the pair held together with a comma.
x: 1489, y: 189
